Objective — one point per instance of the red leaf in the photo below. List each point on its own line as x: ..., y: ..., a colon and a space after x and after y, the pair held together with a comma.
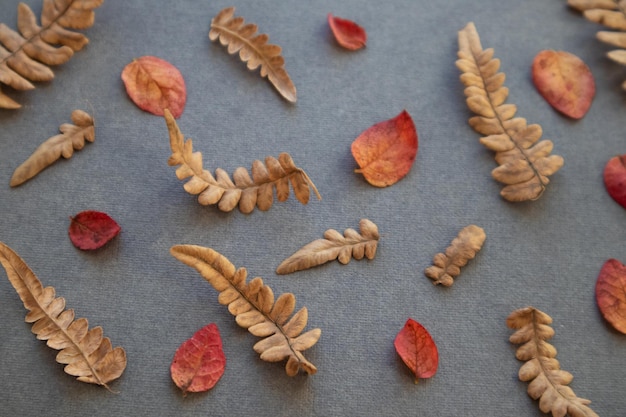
x: 564, y: 81
x: 615, y: 179
x: 154, y: 84
x: 611, y: 293
x: 348, y: 34
x: 417, y: 349
x: 92, y: 229
x: 385, y: 152
x: 199, y: 362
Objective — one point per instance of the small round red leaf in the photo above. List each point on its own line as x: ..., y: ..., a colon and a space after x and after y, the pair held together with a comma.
x: 385, y: 152
x: 615, y: 179
x: 611, y: 293
x: 347, y: 33
x: 417, y: 349
x: 564, y: 81
x: 154, y: 85
x: 92, y: 229
x: 199, y: 362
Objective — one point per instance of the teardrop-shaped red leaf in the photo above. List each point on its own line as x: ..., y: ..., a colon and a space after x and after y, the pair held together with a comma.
x: 417, y: 349
x: 199, y: 362
x: 615, y: 179
x: 348, y: 34
x: 564, y: 81
x: 385, y: 152
x: 154, y: 85
x: 611, y: 293
x: 92, y: 229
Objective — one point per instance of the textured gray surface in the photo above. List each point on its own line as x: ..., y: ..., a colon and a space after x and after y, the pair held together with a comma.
x: 545, y: 253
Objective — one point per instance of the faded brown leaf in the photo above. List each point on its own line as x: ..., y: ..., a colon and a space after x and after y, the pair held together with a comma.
x: 253, y: 305
x: 548, y: 383
x: 447, y: 266
x: 253, y: 48
x: 85, y: 353
x: 72, y: 137
x: 26, y: 55
x: 334, y: 246
x: 524, y: 163
x: 612, y: 14
x: 242, y: 190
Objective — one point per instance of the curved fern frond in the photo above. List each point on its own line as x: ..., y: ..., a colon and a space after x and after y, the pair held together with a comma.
x: 548, y: 383
x: 612, y: 14
x: 85, y: 353
x: 525, y: 164
x: 334, y: 246
x: 243, y: 190
x: 253, y: 305
x: 26, y: 55
x: 241, y: 37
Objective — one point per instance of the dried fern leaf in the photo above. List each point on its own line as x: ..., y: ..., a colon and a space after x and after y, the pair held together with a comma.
x: 612, y: 14
x: 242, y: 190
x: 524, y: 164
x: 25, y: 56
x: 447, y: 266
x: 334, y: 246
x: 547, y: 382
x: 85, y: 353
x: 253, y: 48
x: 255, y: 309
x: 72, y: 137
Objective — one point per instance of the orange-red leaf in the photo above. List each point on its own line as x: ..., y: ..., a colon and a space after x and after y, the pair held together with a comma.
x: 199, y: 362
x: 564, y: 81
x: 615, y: 179
x: 92, y: 229
x: 154, y: 85
x: 347, y: 33
x: 611, y: 293
x: 417, y: 349
x: 385, y: 152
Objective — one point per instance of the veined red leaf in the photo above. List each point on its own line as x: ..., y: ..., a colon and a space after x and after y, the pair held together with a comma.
x: 615, y: 179
x: 611, y: 293
x: 347, y: 33
x: 417, y: 349
x: 154, y: 85
x: 92, y: 229
x: 385, y: 152
x: 564, y: 81
x: 199, y: 362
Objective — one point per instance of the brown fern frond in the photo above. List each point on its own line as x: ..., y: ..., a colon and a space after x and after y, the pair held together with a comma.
x: 447, y: 266
x: 72, y: 137
x: 334, y: 246
x: 243, y: 190
x: 253, y: 48
x: 253, y: 305
x: 86, y: 353
x: 612, y: 14
x: 548, y: 383
x: 524, y: 164
x: 25, y: 56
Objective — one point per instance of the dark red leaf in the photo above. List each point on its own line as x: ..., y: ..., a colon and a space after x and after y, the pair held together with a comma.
x: 615, y: 179
x: 92, y: 229
x: 564, y: 81
x: 348, y: 34
x: 611, y: 293
x: 417, y: 349
x: 154, y: 85
x: 385, y: 152
x: 199, y: 362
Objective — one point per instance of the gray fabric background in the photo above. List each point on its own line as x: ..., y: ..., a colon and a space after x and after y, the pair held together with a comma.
x: 546, y: 253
